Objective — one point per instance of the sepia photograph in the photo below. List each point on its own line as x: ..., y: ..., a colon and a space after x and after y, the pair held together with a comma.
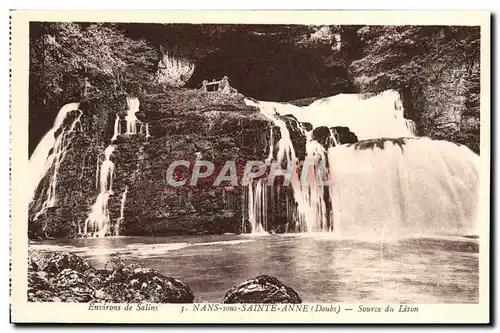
x: 229, y: 163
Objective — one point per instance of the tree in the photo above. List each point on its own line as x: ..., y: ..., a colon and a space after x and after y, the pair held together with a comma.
x: 61, y: 54
x: 436, y: 68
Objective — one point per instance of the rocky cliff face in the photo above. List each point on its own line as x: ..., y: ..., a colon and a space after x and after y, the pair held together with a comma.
x: 184, y: 125
x: 438, y: 75
x: 268, y: 62
x: 450, y: 102
x: 174, y: 71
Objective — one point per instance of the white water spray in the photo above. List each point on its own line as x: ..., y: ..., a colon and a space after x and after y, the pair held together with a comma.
x: 131, y: 121
x: 307, y: 207
x: 366, y: 191
x: 377, y: 116
x: 97, y: 223
x: 133, y: 108
x: 144, y: 129
x: 122, y: 211
x: 334, y: 138
x: 405, y: 187
x: 257, y: 206
x: 40, y: 161
x: 116, y: 128
x: 49, y: 154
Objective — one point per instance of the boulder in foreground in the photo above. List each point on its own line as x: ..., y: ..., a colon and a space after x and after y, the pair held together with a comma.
x: 262, y: 289
x: 66, y: 277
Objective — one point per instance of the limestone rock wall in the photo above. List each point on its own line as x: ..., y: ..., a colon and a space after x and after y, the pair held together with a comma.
x: 184, y: 125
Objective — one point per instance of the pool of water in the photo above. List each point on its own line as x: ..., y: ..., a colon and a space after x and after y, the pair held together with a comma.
x: 320, y: 267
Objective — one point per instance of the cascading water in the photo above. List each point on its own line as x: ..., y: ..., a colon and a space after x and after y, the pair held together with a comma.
x: 410, y: 126
x: 131, y: 121
x: 147, y: 131
x: 377, y: 116
x: 387, y: 187
x: 312, y: 208
x: 131, y: 118
x: 271, y: 147
x: 257, y: 206
x: 50, y: 153
x: 144, y: 129
x: 309, y: 207
x: 122, y: 211
x: 403, y: 187
x: 334, y: 137
x: 116, y: 128
x: 257, y: 198
x: 97, y: 223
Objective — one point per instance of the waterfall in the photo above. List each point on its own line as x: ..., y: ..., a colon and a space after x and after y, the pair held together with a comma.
x: 403, y: 187
x: 271, y: 146
x: 144, y: 129
x: 334, y: 138
x: 257, y: 206
x: 378, y: 184
x: 50, y: 153
x: 370, y: 117
x: 410, y: 125
x: 133, y: 108
x: 131, y: 119
x: 116, y: 128
x: 312, y: 205
x: 98, y: 220
x: 40, y: 161
x: 122, y: 210
x: 306, y: 206
x: 285, y: 146
x: 97, y: 223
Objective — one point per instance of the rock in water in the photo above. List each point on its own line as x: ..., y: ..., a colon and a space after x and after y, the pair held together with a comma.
x: 345, y: 135
x: 262, y: 289
x: 127, y: 284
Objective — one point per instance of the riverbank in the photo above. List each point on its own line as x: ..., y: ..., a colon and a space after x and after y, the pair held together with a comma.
x: 320, y: 267
x: 67, y: 277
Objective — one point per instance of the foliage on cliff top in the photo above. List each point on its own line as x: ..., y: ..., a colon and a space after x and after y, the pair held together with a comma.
x: 395, y: 55
x: 175, y: 99
x: 435, y: 67
x: 437, y: 70
x: 197, y: 41
x: 62, y: 54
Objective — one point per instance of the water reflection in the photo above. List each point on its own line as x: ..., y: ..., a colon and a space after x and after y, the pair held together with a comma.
x: 320, y: 269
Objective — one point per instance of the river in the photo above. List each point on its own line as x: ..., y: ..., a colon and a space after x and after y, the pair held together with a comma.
x: 319, y: 266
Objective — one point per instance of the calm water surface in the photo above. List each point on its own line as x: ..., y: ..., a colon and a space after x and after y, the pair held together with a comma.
x: 320, y: 267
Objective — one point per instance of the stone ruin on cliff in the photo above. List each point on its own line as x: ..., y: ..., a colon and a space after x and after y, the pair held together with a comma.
x: 219, y: 86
